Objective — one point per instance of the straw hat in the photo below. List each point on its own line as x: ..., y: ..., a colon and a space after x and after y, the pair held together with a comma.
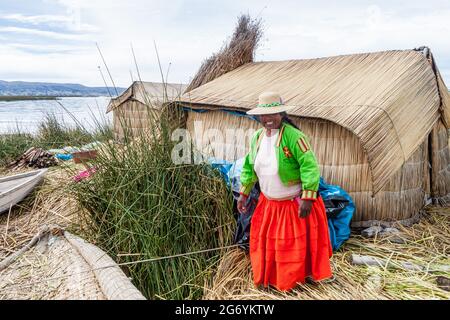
x: 269, y: 103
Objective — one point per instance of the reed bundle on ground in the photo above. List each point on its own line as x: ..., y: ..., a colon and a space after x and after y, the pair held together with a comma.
x: 34, y: 158
x: 12, y: 145
x: 56, y: 264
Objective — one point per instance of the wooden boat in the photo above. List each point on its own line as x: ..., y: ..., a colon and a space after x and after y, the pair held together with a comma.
x: 14, y: 189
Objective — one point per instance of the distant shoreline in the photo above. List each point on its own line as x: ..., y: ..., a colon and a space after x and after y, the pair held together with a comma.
x: 24, y: 98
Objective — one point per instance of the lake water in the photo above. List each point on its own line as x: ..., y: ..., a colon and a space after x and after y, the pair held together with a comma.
x: 26, y: 115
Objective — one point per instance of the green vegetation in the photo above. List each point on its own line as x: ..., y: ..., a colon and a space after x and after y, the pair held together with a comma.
x: 143, y: 206
x: 13, y: 145
x: 52, y: 133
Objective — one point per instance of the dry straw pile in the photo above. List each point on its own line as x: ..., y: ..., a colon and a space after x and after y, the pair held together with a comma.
x: 426, y: 245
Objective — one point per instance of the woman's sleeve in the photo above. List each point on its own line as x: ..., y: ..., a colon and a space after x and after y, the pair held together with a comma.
x: 309, y: 168
x: 248, y: 176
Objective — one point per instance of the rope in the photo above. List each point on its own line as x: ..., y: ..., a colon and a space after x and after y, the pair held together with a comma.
x: 126, y: 264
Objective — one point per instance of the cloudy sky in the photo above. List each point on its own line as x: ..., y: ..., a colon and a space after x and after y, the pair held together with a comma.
x: 55, y: 40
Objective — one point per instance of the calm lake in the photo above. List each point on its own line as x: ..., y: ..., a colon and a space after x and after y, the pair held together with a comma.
x: 27, y: 114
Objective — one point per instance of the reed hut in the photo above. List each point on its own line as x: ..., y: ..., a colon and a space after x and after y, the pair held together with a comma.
x: 136, y: 108
x: 378, y: 123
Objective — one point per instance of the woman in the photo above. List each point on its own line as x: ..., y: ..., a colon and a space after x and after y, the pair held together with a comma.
x: 289, y: 238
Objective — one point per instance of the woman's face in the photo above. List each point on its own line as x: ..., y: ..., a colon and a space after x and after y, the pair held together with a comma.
x: 271, y: 121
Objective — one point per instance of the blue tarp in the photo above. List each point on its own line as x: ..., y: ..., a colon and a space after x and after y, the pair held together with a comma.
x: 64, y: 157
x: 338, y: 204
x: 235, y: 113
x: 223, y: 166
x: 340, y: 208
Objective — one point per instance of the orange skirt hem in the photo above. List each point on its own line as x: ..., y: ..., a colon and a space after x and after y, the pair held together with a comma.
x: 286, y: 249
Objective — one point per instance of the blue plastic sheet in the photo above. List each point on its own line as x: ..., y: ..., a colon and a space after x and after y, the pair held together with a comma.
x: 235, y: 113
x: 64, y: 157
x: 223, y: 166
x: 340, y: 208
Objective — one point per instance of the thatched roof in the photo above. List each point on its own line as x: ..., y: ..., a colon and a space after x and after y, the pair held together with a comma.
x: 153, y: 93
x: 390, y: 100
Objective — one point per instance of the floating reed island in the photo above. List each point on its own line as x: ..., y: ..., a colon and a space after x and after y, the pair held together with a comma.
x: 378, y: 123
x: 228, y: 276
x: 418, y: 268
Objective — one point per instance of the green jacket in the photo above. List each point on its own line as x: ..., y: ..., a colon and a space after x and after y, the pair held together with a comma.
x: 296, y: 162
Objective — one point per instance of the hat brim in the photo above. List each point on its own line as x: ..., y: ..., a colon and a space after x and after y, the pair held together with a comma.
x: 269, y: 110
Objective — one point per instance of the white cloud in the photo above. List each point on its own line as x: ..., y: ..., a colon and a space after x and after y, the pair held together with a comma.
x: 358, y: 31
x: 44, y: 33
x: 70, y: 22
x: 187, y: 32
x: 47, y: 48
x: 36, y: 19
x: 72, y: 66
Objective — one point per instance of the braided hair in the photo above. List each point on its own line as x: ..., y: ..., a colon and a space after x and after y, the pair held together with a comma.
x: 285, y: 118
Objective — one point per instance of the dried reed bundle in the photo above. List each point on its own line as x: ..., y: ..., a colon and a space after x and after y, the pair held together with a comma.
x: 238, y: 51
x: 426, y: 244
x: 59, y: 265
x: 34, y: 158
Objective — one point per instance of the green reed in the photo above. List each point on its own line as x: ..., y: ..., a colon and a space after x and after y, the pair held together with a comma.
x: 143, y: 206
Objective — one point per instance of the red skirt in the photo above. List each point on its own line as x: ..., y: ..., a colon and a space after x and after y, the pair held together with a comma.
x: 284, y: 248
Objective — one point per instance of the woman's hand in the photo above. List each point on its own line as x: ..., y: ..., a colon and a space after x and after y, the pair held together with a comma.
x: 241, y: 204
x: 304, y: 208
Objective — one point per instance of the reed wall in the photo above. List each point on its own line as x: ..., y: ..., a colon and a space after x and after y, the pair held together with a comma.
x: 132, y: 118
x: 440, y: 164
x: 342, y: 160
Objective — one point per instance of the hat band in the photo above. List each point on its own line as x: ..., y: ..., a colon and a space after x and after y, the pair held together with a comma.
x: 273, y: 104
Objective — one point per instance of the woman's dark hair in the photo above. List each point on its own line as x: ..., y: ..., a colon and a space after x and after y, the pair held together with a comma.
x: 285, y: 118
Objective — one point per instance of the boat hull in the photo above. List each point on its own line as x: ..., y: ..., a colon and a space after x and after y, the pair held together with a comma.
x: 14, y: 189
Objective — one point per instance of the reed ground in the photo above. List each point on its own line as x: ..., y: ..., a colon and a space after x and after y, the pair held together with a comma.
x: 426, y: 243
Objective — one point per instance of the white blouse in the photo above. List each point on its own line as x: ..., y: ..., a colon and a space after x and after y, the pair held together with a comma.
x: 266, y: 168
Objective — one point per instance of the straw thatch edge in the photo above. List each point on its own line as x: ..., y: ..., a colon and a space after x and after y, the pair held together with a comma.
x: 387, y: 224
